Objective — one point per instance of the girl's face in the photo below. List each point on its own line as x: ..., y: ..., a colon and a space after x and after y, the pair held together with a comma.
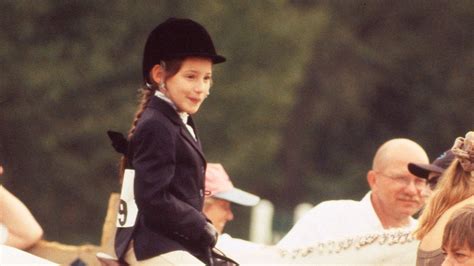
x: 459, y: 256
x: 188, y: 88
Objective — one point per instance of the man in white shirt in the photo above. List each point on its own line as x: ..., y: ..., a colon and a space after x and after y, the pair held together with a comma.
x: 395, y: 196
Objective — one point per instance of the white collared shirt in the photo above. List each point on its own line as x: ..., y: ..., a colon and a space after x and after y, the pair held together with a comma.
x: 335, y: 219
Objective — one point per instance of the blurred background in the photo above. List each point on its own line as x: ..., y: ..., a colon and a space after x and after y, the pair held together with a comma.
x: 310, y: 90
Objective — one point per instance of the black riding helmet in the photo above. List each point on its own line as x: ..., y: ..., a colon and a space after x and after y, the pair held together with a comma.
x: 178, y: 38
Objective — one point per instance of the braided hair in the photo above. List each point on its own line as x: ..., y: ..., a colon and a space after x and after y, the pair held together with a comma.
x: 146, y: 92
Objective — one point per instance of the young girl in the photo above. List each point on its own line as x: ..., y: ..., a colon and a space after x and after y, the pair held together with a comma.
x: 458, y: 238
x: 165, y: 164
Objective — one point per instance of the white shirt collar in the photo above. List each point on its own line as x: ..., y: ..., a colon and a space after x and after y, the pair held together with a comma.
x: 162, y: 96
x: 183, y: 115
x: 367, y: 201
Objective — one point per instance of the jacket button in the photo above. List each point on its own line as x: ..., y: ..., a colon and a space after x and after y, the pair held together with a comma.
x: 201, y: 193
x: 202, y: 170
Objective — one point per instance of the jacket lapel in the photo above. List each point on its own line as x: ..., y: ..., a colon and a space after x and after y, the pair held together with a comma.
x: 169, y: 112
x: 165, y: 108
x: 187, y: 135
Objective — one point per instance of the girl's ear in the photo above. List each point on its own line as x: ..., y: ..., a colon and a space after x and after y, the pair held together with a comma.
x: 156, y: 74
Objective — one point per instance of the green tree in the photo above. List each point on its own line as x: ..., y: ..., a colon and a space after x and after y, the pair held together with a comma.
x: 379, y: 70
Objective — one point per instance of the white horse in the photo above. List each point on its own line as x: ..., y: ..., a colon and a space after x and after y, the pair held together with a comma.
x: 13, y: 256
x: 389, y: 247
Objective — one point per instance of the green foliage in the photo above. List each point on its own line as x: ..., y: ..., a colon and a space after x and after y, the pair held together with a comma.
x: 310, y: 89
x: 380, y: 69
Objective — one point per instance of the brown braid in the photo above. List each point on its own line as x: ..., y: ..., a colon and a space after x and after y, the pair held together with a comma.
x: 146, y: 93
x: 145, y: 96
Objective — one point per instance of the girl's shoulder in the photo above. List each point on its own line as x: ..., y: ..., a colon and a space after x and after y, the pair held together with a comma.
x: 155, y: 127
x: 153, y: 119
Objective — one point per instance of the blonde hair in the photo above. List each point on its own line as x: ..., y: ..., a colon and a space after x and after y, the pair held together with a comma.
x: 455, y: 185
x: 458, y: 231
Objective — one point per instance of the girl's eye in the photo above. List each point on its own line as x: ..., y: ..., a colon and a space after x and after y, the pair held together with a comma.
x: 207, y: 78
x: 190, y: 76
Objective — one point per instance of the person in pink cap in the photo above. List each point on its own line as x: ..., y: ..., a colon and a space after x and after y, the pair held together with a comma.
x: 220, y: 194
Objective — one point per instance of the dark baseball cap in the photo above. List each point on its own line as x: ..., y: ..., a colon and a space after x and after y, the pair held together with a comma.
x: 437, y: 166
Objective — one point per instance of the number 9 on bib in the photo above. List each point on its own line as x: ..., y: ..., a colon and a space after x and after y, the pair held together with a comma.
x: 127, y: 209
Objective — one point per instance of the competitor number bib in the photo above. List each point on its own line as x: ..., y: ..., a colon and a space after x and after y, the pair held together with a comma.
x: 127, y: 210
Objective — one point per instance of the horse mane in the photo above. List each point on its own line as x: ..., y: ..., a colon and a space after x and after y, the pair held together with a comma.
x: 387, y: 237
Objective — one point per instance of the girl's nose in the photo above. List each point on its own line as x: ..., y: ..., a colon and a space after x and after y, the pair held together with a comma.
x: 447, y: 261
x: 202, y: 86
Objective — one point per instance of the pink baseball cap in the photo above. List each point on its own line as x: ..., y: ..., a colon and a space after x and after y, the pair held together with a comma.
x: 218, y: 184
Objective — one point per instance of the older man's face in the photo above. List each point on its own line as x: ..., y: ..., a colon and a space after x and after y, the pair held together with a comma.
x: 400, y: 193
